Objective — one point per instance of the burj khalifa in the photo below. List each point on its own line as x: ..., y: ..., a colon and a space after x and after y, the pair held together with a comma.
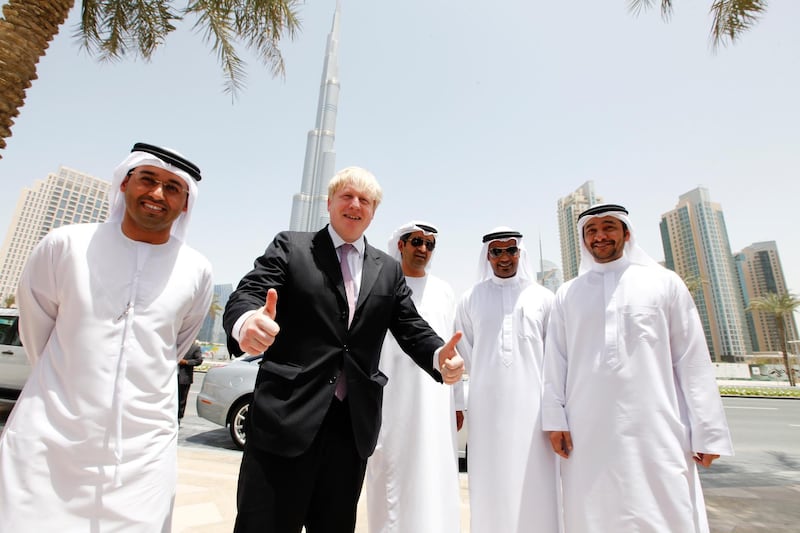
x: 310, y: 205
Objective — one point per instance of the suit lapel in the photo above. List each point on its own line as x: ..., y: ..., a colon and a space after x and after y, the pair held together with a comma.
x: 369, y: 273
x: 325, y: 256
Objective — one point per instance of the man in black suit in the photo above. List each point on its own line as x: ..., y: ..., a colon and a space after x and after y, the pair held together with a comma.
x: 316, y: 410
x: 186, y: 366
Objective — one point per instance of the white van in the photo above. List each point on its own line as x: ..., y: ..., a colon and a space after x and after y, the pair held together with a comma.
x: 14, y: 365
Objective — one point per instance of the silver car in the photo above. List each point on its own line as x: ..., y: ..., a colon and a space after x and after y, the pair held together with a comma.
x: 226, y: 394
x: 14, y: 365
x: 228, y: 390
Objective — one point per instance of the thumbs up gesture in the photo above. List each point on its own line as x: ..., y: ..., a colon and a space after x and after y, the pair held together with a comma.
x: 260, y: 329
x: 451, y: 365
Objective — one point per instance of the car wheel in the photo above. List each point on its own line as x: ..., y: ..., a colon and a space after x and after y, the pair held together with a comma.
x: 237, y: 422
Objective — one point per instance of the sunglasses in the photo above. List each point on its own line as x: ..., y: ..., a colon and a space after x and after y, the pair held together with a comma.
x: 416, y: 242
x: 511, y: 250
x: 170, y: 188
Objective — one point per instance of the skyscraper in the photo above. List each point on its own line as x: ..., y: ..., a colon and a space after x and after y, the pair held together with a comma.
x: 549, y: 276
x: 696, y: 246
x: 569, y: 208
x: 760, y: 272
x: 310, y: 205
x: 211, y: 330
x: 66, y: 197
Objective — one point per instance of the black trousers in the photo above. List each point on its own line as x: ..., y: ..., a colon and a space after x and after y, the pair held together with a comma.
x: 183, y: 395
x: 318, y: 489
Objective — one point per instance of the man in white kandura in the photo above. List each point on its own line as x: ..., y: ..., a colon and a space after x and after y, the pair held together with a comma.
x: 105, y: 312
x: 630, y: 402
x: 512, y: 470
x: 412, y: 477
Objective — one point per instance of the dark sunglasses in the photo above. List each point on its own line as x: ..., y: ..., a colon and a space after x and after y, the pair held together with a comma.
x: 497, y: 252
x: 416, y: 242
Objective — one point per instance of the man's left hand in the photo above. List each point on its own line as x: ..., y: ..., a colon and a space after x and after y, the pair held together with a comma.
x: 704, y: 459
x: 451, y: 365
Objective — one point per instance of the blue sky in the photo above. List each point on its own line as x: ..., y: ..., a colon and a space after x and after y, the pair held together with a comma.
x: 471, y: 115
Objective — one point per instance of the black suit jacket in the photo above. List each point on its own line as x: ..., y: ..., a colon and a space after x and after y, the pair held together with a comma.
x: 297, y: 378
x: 193, y: 358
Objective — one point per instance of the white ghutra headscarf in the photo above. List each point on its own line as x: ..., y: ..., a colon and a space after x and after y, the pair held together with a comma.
x: 633, y: 252
x: 410, y: 227
x: 166, y: 159
x: 504, y: 233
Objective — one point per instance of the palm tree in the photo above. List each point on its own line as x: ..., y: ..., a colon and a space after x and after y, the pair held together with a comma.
x: 113, y: 29
x: 731, y: 17
x: 694, y: 283
x: 214, y: 308
x: 781, y: 307
x: 9, y: 301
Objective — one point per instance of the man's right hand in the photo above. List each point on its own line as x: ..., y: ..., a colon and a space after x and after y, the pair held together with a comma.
x: 459, y: 420
x: 260, y: 329
x: 561, y: 441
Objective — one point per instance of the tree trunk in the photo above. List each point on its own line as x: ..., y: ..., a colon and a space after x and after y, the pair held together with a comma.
x: 782, y: 334
x: 26, y: 29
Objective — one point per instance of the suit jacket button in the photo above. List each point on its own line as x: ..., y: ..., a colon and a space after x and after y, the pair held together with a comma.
x: 332, y: 380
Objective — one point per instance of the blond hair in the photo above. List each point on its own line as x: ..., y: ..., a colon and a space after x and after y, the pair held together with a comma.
x: 359, y: 178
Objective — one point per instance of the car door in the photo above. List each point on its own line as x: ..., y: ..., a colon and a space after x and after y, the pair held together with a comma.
x: 14, y: 365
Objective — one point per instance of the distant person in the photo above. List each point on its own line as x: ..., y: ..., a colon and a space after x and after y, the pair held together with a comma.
x: 186, y: 364
x: 106, y: 310
x: 631, y: 402
x: 319, y: 305
x: 412, y: 477
x: 512, y: 471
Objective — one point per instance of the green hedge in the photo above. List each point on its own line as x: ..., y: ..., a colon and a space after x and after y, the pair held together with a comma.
x: 761, y: 392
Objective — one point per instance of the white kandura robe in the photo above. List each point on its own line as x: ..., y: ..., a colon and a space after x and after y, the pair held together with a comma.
x: 512, y: 468
x: 412, y: 479
x: 91, y: 443
x: 637, y: 404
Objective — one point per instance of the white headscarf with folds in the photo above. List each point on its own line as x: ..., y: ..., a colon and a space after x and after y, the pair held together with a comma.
x: 632, y: 250
x: 523, y: 268
x: 405, y: 229
x: 180, y: 226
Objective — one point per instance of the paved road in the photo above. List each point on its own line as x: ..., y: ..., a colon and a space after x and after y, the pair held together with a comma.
x: 757, y: 491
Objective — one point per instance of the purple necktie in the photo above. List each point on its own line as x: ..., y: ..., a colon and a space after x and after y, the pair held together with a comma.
x: 350, y: 290
x: 349, y: 284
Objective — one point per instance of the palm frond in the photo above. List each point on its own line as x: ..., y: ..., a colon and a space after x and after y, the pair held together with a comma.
x: 263, y: 23
x: 114, y: 28
x: 733, y: 17
x: 637, y: 7
x: 88, y: 31
x: 150, y: 25
x: 215, y: 20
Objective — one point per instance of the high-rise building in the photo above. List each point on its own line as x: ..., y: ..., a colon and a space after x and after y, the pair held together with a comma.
x: 66, y: 197
x: 310, y: 205
x: 569, y: 208
x: 696, y: 246
x: 760, y: 272
x: 211, y: 330
x: 549, y: 275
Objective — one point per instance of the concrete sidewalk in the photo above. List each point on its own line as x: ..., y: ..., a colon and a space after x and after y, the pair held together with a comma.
x: 206, y: 499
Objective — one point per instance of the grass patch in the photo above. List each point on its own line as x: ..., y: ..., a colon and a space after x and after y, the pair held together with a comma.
x: 760, y: 392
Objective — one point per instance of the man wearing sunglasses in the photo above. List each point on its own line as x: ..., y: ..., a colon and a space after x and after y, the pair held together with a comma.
x: 412, y: 477
x: 630, y: 400
x: 512, y: 471
x: 105, y: 312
